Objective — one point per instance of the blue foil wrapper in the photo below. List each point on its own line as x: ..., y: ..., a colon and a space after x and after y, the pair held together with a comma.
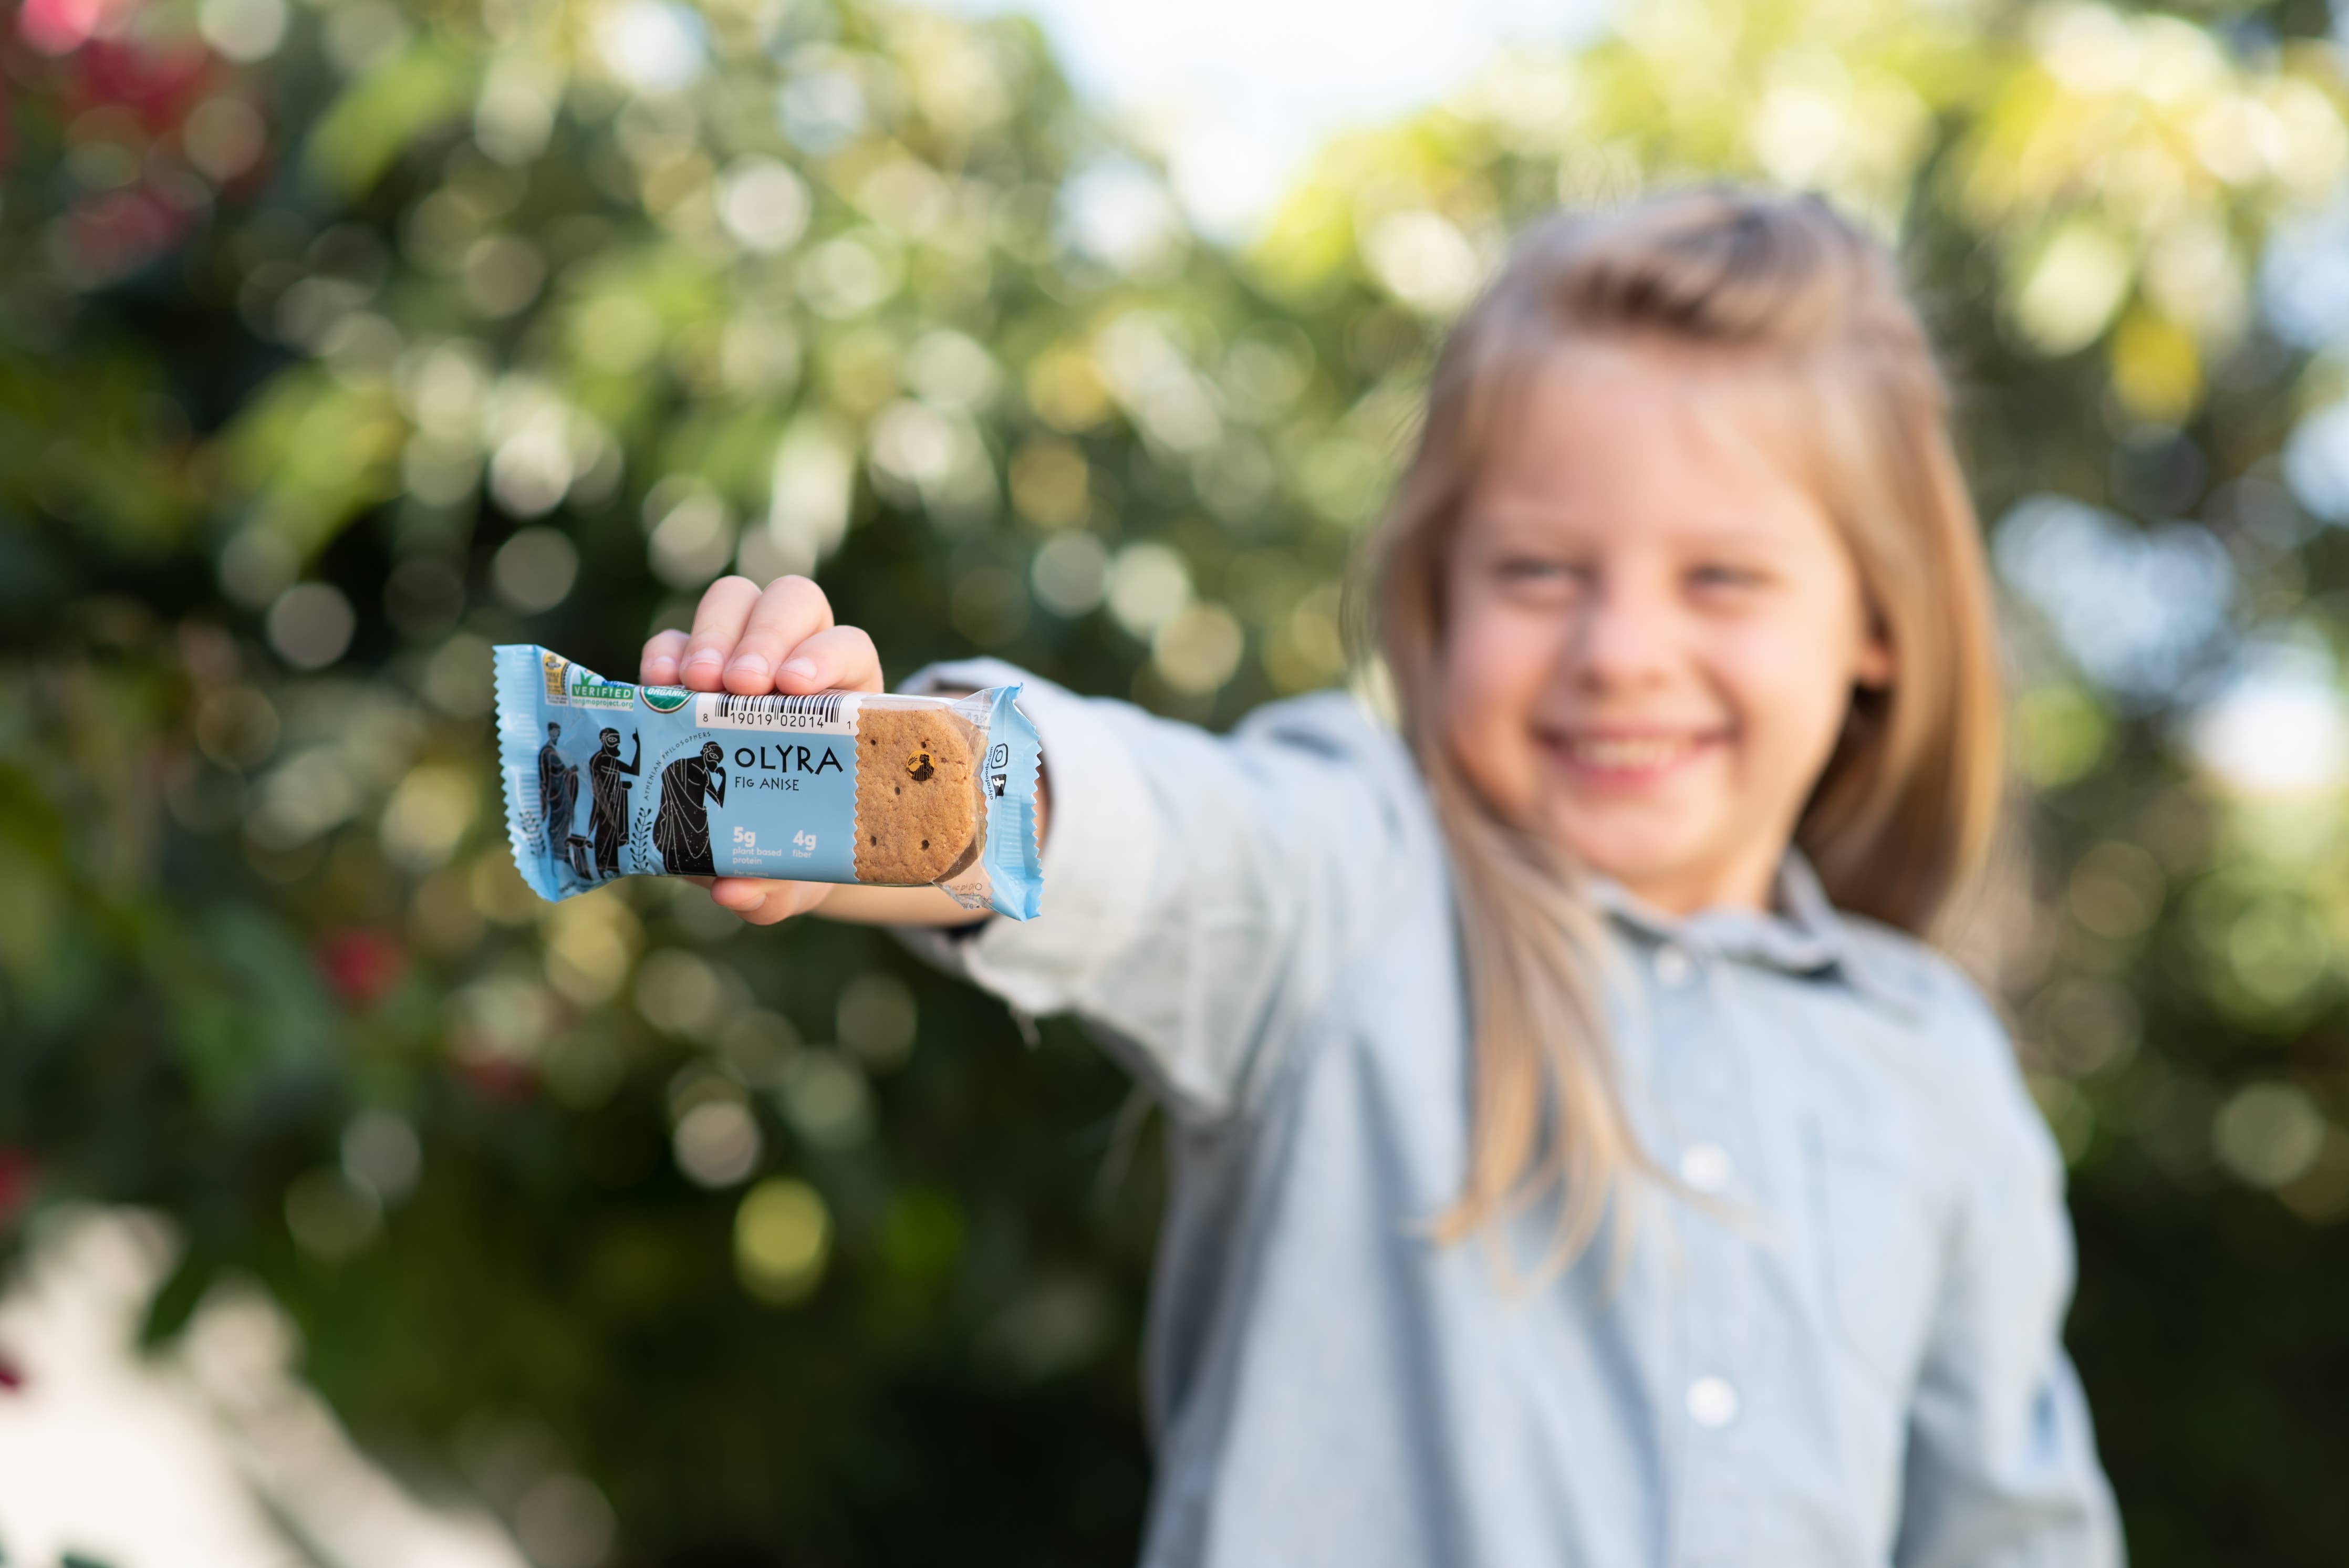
x: 605, y: 779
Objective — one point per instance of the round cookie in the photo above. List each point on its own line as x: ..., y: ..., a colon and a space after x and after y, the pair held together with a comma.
x: 918, y: 809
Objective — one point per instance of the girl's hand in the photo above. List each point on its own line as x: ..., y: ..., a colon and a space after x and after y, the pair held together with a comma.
x: 751, y: 643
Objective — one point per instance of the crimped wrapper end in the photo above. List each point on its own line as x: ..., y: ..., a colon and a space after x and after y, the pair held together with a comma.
x: 1014, y: 861
x: 521, y: 712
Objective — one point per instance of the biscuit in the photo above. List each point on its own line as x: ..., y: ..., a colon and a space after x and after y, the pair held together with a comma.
x: 917, y: 807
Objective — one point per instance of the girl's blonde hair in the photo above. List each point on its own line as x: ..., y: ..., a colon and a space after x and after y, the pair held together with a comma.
x: 1901, y: 815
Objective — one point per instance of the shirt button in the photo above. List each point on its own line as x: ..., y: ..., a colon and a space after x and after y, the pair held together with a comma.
x: 1705, y: 1167
x: 1713, y: 1402
x: 1673, y: 966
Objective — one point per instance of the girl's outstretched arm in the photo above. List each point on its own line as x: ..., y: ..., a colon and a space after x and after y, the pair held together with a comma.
x: 1203, y: 894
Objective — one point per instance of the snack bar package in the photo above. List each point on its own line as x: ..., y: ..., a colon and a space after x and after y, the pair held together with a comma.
x: 603, y: 779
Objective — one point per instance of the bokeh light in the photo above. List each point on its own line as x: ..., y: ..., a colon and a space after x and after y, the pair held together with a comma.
x: 782, y: 1238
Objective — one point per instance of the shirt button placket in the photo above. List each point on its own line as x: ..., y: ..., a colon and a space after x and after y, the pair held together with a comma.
x: 1696, y: 1043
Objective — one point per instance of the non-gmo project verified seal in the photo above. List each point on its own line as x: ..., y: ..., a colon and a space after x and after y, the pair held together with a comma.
x: 588, y: 689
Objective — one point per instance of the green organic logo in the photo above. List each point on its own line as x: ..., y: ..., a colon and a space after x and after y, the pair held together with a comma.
x: 665, y: 699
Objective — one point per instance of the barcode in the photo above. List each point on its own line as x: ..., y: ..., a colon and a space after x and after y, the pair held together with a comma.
x: 827, y: 712
x: 823, y: 706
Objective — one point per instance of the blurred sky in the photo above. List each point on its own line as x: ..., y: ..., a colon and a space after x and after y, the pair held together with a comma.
x: 1237, y: 93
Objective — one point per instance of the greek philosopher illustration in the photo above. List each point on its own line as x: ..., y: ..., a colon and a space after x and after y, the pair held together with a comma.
x: 682, y: 833
x: 558, y: 792
x: 609, y: 815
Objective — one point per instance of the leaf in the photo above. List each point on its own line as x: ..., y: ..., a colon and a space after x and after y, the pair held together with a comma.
x: 381, y: 114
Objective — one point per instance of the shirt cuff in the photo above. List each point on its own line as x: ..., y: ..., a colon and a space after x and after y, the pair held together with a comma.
x: 1099, y: 861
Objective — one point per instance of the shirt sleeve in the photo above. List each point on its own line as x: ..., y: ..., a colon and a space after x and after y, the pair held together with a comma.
x: 1199, y: 891
x: 2001, y: 1468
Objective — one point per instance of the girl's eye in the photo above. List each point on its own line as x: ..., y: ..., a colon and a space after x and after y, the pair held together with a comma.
x: 1719, y: 575
x: 1535, y: 569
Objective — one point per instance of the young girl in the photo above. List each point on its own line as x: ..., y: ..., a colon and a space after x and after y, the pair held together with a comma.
x: 1617, y: 941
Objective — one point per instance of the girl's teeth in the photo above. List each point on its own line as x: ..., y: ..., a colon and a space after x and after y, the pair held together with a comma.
x: 1628, y: 754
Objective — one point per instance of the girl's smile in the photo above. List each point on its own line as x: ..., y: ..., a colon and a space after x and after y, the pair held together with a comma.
x: 1629, y: 758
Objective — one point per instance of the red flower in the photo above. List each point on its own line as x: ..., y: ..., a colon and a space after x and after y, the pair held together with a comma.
x: 17, y: 1173
x: 361, y: 964
x: 500, y: 1077
x: 159, y: 82
x: 59, y: 26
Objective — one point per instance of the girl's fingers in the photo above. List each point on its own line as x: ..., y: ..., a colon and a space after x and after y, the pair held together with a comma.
x: 718, y: 623
x: 761, y: 902
x: 791, y: 610
x: 664, y: 652
x: 840, y: 658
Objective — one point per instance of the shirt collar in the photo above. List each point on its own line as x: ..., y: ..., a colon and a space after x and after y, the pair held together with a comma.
x: 1799, y: 933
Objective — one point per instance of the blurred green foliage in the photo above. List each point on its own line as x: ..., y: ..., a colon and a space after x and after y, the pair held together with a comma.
x: 340, y: 340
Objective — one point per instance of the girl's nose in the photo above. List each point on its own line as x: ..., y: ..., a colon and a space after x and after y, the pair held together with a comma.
x: 1623, y: 636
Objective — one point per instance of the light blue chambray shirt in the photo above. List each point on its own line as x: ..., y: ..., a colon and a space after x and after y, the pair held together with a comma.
x: 1260, y: 927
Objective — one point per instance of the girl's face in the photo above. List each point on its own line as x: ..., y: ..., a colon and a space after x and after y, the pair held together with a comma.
x: 1653, y: 629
